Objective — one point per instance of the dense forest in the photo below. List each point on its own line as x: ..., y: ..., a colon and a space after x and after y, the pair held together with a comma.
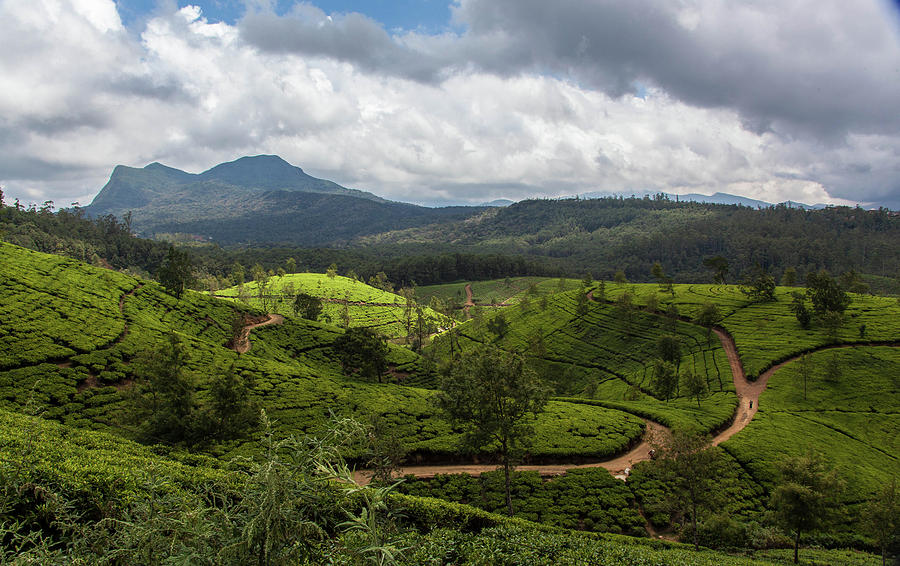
x: 606, y: 235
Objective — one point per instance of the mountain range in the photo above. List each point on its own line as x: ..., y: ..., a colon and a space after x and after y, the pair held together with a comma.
x: 256, y: 199
x: 264, y: 199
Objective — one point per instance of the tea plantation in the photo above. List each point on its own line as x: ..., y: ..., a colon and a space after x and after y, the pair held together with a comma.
x: 74, y: 341
x: 293, y: 368
x: 850, y: 417
x: 768, y: 332
x: 591, y: 356
x: 112, y: 501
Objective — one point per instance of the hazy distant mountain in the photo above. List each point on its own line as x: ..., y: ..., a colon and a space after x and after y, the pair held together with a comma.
x: 715, y: 198
x: 721, y: 198
x: 255, y: 199
x: 498, y: 202
x: 129, y: 188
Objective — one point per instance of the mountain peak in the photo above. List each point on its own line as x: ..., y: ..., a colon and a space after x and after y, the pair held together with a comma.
x: 269, y: 172
x: 263, y: 160
x: 155, y: 188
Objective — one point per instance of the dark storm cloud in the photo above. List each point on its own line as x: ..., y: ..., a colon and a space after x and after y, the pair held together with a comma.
x: 802, y: 68
x: 165, y: 90
x: 807, y: 72
x: 351, y: 38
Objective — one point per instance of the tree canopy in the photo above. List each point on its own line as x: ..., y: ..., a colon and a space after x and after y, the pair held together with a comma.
x: 175, y: 274
x: 362, y: 352
x: 805, y: 498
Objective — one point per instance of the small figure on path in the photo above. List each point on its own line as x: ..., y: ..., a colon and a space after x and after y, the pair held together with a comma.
x: 751, y: 403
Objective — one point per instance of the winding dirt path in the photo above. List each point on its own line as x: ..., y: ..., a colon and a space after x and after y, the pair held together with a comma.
x: 469, y: 302
x: 748, y: 393
x: 242, y: 344
x: 615, y: 465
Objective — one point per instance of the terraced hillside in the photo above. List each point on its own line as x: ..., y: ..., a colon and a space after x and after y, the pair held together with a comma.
x: 343, y: 298
x: 293, y: 369
x: 592, y: 356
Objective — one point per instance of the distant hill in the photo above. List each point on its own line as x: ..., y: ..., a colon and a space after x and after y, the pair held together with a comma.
x: 255, y: 199
x: 715, y: 198
x: 130, y: 188
x: 498, y: 202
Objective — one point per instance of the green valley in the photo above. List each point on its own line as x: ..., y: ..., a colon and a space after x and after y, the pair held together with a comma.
x: 624, y: 364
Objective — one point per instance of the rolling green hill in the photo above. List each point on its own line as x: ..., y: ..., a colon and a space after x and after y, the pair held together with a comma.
x: 603, y: 355
x: 363, y: 305
x: 594, y: 357
x: 85, y: 379
x: 767, y: 333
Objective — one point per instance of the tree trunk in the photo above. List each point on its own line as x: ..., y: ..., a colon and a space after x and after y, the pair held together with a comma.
x: 509, y: 506
x: 797, y: 548
x: 694, y: 523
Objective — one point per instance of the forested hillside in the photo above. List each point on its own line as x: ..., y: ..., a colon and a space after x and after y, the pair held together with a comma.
x: 605, y: 235
x: 255, y: 200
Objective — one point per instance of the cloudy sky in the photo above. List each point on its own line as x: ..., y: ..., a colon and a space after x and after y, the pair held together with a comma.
x: 432, y: 101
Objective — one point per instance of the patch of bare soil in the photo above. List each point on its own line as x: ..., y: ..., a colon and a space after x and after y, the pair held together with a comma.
x: 242, y: 344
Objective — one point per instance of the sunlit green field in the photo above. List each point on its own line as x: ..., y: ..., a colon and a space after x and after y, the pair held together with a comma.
x: 344, y: 300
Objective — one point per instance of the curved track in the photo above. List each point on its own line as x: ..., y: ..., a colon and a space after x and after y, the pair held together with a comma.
x: 748, y: 393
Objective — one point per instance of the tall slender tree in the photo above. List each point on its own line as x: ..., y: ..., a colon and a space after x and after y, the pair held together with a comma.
x: 176, y: 272
x: 805, y: 498
x: 495, y: 396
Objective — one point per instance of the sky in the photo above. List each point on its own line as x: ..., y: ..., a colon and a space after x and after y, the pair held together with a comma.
x: 466, y: 101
